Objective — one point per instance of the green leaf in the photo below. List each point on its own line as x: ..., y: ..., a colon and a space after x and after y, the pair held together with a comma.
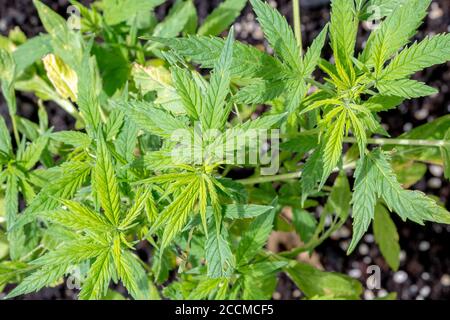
x: 311, y: 175
x: 254, y: 238
x: 386, y: 236
x: 89, y: 87
x: 332, y: 151
x: 117, y: 11
x: 445, y: 153
x: 430, y: 51
x: 31, y: 51
x: 133, y: 276
x: 74, y: 252
x: 375, y: 178
x: 314, y: 282
x: 150, y: 118
x: 216, y: 112
x: 278, y: 33
x: 43, y: 277
x: 239, y: 211
x: 304, y: 223
x: 219, y: 258
x: 78, y: 217
x: 73, y: 138
x: 98, y: 278
x: 189, y: 92
x: 312, y: 56
x: 5, y: 139
x: 394, y: 32
x: 405, y: 88
x: 248, y: 62
x: 343, y: 28
x: 106, y: 183
x: 176, y: 20
x: 32, y: 153
x: 221, y: 17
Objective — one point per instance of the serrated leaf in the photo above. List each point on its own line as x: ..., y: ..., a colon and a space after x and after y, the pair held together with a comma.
x: 278, y: 33
x: 73, y: 138
x: 219, y: 258
x: 405, y: 88
x: 421, y: 55
x: 98, y: 278
x: 117, y: 11
x: 254, y: 238
x: 106, y: 183
x: 41, y: 278
x: 394, y: 32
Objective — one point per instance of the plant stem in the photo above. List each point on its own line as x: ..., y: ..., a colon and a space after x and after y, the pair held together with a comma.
x: 403, y: 142
x: 297, y: 23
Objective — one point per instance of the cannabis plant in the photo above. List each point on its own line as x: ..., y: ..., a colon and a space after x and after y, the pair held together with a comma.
x: 146, y: 190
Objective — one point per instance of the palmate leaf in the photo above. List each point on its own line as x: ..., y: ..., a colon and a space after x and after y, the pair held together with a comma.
x: 106, y: 183
x: 5, y: 139
x: 312, y: 55
x: 32, y: 153
x: 375, y: 178
x: 73, y: 138
x: 278, y: 33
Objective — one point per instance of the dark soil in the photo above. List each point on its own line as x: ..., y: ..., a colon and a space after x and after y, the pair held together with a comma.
x: 425, y: 268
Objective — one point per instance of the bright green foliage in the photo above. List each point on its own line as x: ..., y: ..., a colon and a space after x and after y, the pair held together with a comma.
x: 157, y: 146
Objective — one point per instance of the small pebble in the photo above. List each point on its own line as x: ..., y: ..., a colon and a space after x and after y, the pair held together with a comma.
x: 296, y: 294
x: 368, y: 295
x: 435, y: 183
x: 382, y: 293
x: 436, y: 12
x: 400, y: 276
x: 425, y: 291
x: 402, y: 255
x: 369, y: 238
x: 355, y: 273
x: 367, y: 260
x: 425, y: 276
x: 343, y: 245
x: 421, y: 114
x: 445, y: 280
x: 407, y: 127
x: 276, y: 296
x: 424, y: 245
x: 436, y: 171
x: 363, y: 249
x: 413, y: 289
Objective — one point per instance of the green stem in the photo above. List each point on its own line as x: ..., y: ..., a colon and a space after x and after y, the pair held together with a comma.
x: 297, y: 23
x: 15, y: 131
x: 403, y: 142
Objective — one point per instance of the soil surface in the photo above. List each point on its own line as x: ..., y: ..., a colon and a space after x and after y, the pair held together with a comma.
x: 425, y: 268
